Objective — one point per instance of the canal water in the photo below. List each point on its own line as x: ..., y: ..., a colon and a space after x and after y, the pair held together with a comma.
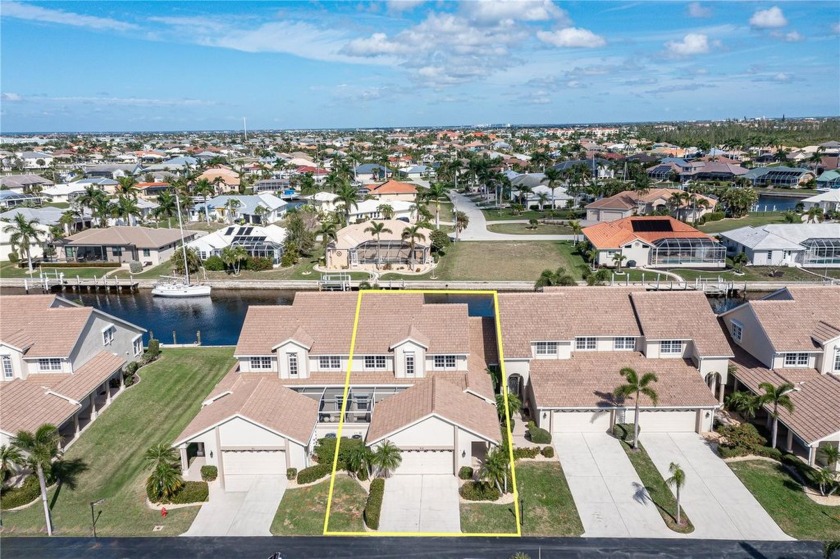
x: 767, y: 203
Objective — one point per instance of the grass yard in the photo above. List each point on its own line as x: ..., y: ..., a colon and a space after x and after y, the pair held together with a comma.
x: 753, y: 219
x: 549, y: 509
x: 757, y: 273
x: 155, y: 410
x: 526, y: 229
x: 9, y: 270
x: 445, y: 211
x: 506, y: 214
x: 782, y: 497
x: 302, y: 511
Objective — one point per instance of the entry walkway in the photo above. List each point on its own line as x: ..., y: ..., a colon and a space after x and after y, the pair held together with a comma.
x: 610, y: 497
x: 418, y: 503
x: 245, y: 512
x: 715, y: 500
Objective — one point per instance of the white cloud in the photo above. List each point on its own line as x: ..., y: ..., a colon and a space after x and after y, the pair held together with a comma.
x: 118, y: 101
x: 768, y: 19
x: 48, y: 15
x: 10, y: 97
x: 571, y: 37
x: 782, y: 77
x: 793, y: 37
x: 397, y: 6
x: 836, y: 28
x: 696, y: 9
x: 691, y: 44
x: 494, y: 11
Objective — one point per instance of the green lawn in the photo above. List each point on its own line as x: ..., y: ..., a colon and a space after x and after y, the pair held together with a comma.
x: 302, y: 511
x: 782, y: 497
x: 155, y: 410
x: 526, y: 229
x: 506, y: 214
x: 753, y: 219
x: 445, y: 210
x: 59, y: 205
x: 756, y: 273
x: 658, y: 490
x: 548, y: 508
x: 9, y: 270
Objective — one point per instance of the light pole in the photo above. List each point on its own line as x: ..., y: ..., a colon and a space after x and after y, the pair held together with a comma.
x: 92, y: 517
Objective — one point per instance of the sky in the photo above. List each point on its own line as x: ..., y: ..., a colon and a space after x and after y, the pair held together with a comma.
x: 145, y: 66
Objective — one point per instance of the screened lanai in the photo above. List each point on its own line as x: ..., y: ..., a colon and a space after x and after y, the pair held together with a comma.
x: 698, y: 251
x: 821, y: 252
x: 360, y: 401
x: 388, y: 252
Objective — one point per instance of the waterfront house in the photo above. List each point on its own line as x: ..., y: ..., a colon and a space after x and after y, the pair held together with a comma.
x: 787, y: 244
x: 9, y: 199
x: 633, y: 202
x: 223, y: 179
x: 258, y: 241
x: 828, y: 201
x: 121, y: 244
x: 324, y: 201
x: 372, y: 209
x: 35, y: 159
x: 392, y: 191
x: 782, y: 176
x: 371, y: 172
x: 356, y: 248
x: 65, y: 193
x: 829, y: 180
x: 255, y: 209
x: 24, y: 184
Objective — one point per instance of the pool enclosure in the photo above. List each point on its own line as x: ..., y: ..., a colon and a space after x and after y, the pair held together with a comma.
x: 700, y: 252
x: 821, y: 252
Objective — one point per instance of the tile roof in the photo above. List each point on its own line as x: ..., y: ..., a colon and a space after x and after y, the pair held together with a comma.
x: 587, y: 381
x: 260, y: 398
x: 681, y: 315
x: 483, y: 351
x: 393, y: 187
x: 801, y: 319
x: 86, y: 378
x: 614, y: 234
x: 354, y: 235
x: 629, y: 199
x: 26, y: 405
x: 437, y: 397
x: 36, y: 324
x: 141, y: 237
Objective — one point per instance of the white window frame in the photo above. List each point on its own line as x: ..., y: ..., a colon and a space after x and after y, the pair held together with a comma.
x: 737, y: 331
x: 49, y: 364
x: 329, y: 362
x: 410, y: 364
x: 108, y: 334
x: 294, y: 366
x: 137, y: 343
x: 8, y: 370
x: 445, y: 362
x: 837, y: 360
x: 795, y: 360
x: 586, y: 343
x: 260, y: 363
x: 674, y: 347
x: 375, y: 362
x: 545, y: 348
x: 624, y: 343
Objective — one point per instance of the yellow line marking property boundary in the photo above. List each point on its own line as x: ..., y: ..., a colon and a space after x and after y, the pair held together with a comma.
x: 498, y: 324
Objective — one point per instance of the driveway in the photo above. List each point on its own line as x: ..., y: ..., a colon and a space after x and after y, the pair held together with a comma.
x: 427, y: 504
x: 715, y: 500
x: 610, y: 497
x: 248, y: 510
x: 476, y: 229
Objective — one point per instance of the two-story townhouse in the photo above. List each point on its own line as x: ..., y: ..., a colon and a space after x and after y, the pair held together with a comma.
x: 564, y: 349
x: 61, y: 363
x: 793, y: 335
x: 417, y: 379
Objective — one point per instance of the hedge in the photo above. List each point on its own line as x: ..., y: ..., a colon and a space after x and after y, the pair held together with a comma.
x: 313, y: 473
x: 291, y: 473
x: 209, y: 473
x: 548, y: 452
x: 537, y: 434
x: 527, y: 452
x: 714, y: 216
x: 479, y: 491
x: 465, y: 472
x: 325, y: 451
x: 374, y: 503
x: 81, y: 264
x: 18, y: 496
x: 190, y: 492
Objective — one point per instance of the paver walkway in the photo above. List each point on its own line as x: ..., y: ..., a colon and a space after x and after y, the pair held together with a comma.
x: 418, y: 503
x: 248, y: 512
x: 610, y: 497
x: 715, y: 500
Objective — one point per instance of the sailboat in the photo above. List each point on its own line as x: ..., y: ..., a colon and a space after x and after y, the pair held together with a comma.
x: 175, y: 286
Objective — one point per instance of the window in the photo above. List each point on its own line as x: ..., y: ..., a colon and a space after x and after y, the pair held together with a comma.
x: 670, y: 346
x: 260, y: 363
x: 546, y: 348
x: 409, y: 364
x: 737, y: 331
x: 116, y: 251
x: 374, y: 361
x: 585, y: 344
x: 329, y: 362
x: 147, y: 252
x: 444, y: 362
x: 51, y: 364
x: 796, y: 359
x: 8, y: 373
x: 138, y: 346
x: 108, y: 335
x: 625, y: 343
x: 293, y: 364
x: 836, y: 361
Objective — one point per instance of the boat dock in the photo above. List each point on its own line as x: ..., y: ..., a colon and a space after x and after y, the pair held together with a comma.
x: 58, y: 282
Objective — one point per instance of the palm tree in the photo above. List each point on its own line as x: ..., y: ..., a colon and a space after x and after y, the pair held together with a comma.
x: 617, y: 259
x: 387, y: 458
x: 41, y: 447
x: 514, y: 404
x: 127, y: 208
x: 23, y: 233
x: 167, y: 207
x: 778, y: 396
x: 202, y: 187
x: 554, y: 277
x: 165, y: 479
x: 387, y: 210
x: 412, y: 234
x: 127, y: 186
x: 328, y: 232
x: 348, y: 197
x: 745, y: 403
x: 102, y: 208
x: 233, y: 256
x: 230, y: 208
x: 831, y: 454
x: 376, y: 228
x: 635, y: 387
x: 677, y: 481
x: 10, y: 459
x: 260, y: 211
x: 494, y: 468
x: 576, y: 228
x: 359, y: 458
x: 827, y: 481
x: 436, y: 192
x: 462, y: 220
x: 542, y: 198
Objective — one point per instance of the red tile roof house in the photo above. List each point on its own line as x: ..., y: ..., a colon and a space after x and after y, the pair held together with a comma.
x: 61, y: 363
x: 632, y: 202
x: 655, y: 242
x: 564, y: 348
x: 418, y: 379
x: 793, y: 335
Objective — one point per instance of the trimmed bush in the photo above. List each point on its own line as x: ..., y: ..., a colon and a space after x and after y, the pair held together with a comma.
x: 744, y: 436
x: 214, y: 264
x: 129, y: 372
x: 479, y: 491
x: 18, y: 496
x: 135, y: 267
x: 465, y: 472
x: 714, y: 216
x: 152, y: 351
x: 106, y: 265
x: 548, y: 452
x: 526, y: 452
x: 313, y: 473
x: 191, y: 492
x: 624, y: 431
x: 209, y: 473
x: 374, y: 503
x: 537, y: 434
x: 258, y: 264
x: 291, y: 473
x: 362, y: 475
x: 325, y: 451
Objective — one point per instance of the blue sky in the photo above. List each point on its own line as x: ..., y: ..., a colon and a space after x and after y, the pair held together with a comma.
x: 106, y: 66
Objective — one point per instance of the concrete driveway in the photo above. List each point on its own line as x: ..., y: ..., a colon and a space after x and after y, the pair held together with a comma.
x: 476, y: 229
x: 715, y: 500
x: 247, y: 510
x: 610, y: 497
x: 418, y: 503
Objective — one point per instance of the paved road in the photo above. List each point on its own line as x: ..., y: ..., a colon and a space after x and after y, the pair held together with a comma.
x: 245, y: 509
x: 476, y: 230
x: 418, y: 503
x: 610, y: 497
x: 714, y: 498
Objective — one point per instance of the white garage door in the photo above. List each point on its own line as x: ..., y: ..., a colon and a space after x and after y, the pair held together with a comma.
x: 426, y: 462
x: 667, y: 421
x: 254, y: 462
x: 581, y: 421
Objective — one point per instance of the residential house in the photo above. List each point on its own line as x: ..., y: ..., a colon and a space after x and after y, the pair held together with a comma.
x: 110, y: 171
x: 254, y: 209
x: 325, y: 202
x: 393, y: 191
x: 787, y: 177
x: 10, y: 199
x: 535, y: 186
x: 829, y: 180
x: 372, y: 209
x: 371, y: 172
x: 633, y: 202
x: 106, y: 185
x: 223, y: 179
x: 353, y: 247
x: 258, y: 241
x: 122, y: 244
x: 35, y: 159
x: 827, y: 201
x: 151, y: 190
x: 24, y: 184
x: 65, y: 193
x: 62, y: 363
x: 599, y: 168
x: 810, y: 245
x: 793, y: 336
x: 713, y: 171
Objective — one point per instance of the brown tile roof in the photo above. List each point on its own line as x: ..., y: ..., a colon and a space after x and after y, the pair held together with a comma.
x: 562, y: 314
x: 614, y: 234
x: 35, y: 324
x: 588, y: 380
x: 354, y: 235
x: 799, y: 318
x: 86, y: 378
x: 25, y: 405
x: 630, y: 199
x: 437, y: 397
x: 681, y: 315
x: 262, y: 399
x: 140, y: 237
x: 483, y: 350
x: 394, y: 187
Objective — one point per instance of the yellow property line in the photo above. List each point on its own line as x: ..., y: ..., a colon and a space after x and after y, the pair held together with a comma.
x: 517, y: 512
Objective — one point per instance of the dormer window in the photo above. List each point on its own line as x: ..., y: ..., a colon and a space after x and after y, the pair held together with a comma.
x: 8, y: 372
x: 444, y: 362
x: 625, y: 343
x: 796, y: 359
x: 836, y: 360
x: 670, y: 347
x: 375, y: 362
x: 329, y: 362
x: 546, y: 348
x: 585, y: 344
x: 260, y: 363
x: 292, y: 359
x: 737, y: 331
x: 51, y: 364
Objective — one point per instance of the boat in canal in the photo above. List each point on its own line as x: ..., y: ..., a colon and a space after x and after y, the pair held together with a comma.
x: 176, y: 286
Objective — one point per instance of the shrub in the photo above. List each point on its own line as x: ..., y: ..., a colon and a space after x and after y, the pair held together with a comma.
x: 106, y: 265
x: 291, y: 473
x: 715, y: 216
x: 325, y: 451
x: 214, y: 264
x: 465, y: 472
x: 209, y: 473
x: 289, y: 258
x: 152, y: 351
x: 135, y: 267
x: 313, y: 473
x: 744, y: 436
x: 258, y: 264
x: 440, y: 240
x: 362, y: 475
x: 364, y: 285
x: 537, y: 434
x: 14, y: 258
x: 548, y: 452
x: 479, y: 491
x: 14, y: 497
x: 129, y: 372
x: 526, y: 452
x: 624, y: 431
x: 374, y: 503
x: 768, y: 452
x: 191, y: 492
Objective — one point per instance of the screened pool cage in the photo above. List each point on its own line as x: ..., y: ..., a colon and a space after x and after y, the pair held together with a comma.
x: 388, y: 252
x: 821, y: 252
x: 699, y: 251
x: 360, y: 402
